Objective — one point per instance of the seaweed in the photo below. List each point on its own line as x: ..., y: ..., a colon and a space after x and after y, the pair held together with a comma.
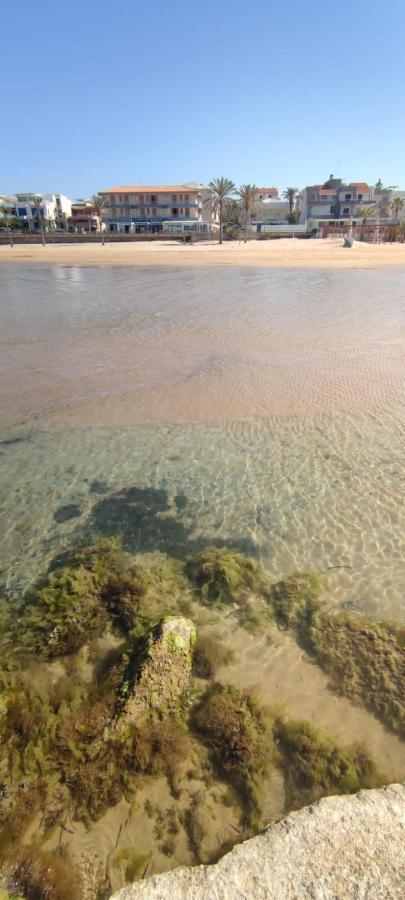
x: 238, y: 732
x: 210, y: 654
x: 366, y: 662
x: 294, y: 598
x: 316, y: 766
x: 37, y: 875
x: 225, y: 576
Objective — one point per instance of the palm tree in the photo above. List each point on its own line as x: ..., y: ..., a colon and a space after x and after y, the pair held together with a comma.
x: 39, y: 218
x: 98, y: 204
x: 366, y: 213
x: 221, y: 191
x: 396, y: 206
x: 4, y: 217
x: 290, y: 194
x: 247, y: 194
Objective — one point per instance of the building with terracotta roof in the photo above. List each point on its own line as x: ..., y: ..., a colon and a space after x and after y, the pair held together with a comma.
x: 173, y: 208
x: 334, y: 202
x: 269, y: 210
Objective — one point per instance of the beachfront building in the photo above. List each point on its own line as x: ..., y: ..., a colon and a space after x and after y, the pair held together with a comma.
x: 174, y: 209
x: 8, y: 205
x: 334, y: 202
x: 385, y: 198
x: 83, y: 217
x: 269, y: 212
x: 54, y: 210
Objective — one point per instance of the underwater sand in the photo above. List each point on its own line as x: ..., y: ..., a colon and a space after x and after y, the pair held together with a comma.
x: 264, y: 409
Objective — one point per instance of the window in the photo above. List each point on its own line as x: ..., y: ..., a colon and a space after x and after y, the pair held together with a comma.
x: 112, y: 198
x: 175, y: 211
x: 346, y: 211
x: 141, y: 198
x: 127, y: 210
x: 22, y: 211
x: 186, y: 197
x: 147, y: 198
x: 359, y: 196
x: 174, y: 198
x: 153, y: 198
x: 348, y: 196
x: 126, y: 198
x: 187, y: 211
x: 142, y: 210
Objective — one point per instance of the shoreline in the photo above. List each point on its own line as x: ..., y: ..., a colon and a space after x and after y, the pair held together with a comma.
x: 281, y: 253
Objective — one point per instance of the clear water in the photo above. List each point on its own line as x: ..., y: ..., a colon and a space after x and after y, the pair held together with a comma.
x: 264, y: 409
x: 319, y: 489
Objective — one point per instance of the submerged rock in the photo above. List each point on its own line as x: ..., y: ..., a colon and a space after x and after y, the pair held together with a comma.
x: 347, y: 847
x: 158, y: 672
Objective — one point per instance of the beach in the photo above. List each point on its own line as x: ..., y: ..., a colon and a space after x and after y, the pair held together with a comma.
x: 286, y: 252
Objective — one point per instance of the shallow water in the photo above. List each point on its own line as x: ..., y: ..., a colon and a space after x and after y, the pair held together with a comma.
x: 318, y: 489
x: 261, y: 409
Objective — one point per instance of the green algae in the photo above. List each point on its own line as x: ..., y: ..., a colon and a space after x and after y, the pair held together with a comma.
x: 223, y: 576
x: 366, y: 662
x: 60, y: 747
x: 210, y: 654
x: 238, y: 731
x: 295, y: 597
x: 365, y: 659
x: 316, y: 766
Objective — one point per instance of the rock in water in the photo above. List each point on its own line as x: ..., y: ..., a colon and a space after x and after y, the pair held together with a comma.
x: 341, y: 847
x: 158, y: 673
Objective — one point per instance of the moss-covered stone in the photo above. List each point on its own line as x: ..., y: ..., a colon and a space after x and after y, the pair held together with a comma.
x: 158, y: 672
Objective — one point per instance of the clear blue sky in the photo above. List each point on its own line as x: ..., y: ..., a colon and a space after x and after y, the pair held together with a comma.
x: 100, y: 92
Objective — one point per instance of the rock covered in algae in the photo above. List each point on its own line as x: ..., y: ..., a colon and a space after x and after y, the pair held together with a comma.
x: 158, y: 672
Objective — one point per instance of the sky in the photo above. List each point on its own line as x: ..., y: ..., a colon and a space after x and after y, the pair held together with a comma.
x: 96, y: 93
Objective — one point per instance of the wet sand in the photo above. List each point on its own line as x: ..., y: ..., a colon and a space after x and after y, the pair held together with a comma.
x: 289, y: 252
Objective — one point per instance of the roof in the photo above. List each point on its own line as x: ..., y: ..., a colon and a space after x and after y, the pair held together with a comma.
x: 268, y: 190
x: 361, y: 187
x: 150, y: 188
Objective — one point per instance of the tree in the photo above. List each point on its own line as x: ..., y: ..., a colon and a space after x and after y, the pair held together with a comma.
x: 247, y: 194
x: 5, y: 218
x: 290, y: 194
x: 221, y: 191
x: 396, y: 206
x: 39, y: 218
x: 366, y: 214
x: 230, y: 212
x: 98, y: 204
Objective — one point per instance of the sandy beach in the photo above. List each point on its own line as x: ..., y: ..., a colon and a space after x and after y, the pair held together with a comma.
x: 286, y: 252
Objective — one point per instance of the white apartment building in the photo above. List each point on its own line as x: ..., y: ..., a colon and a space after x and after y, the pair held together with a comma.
x: 176, y: 209
x: 269, y: 210
x: 54, y: 209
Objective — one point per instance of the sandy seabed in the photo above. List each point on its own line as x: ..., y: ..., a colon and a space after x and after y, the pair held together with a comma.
x: 287, y: 252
